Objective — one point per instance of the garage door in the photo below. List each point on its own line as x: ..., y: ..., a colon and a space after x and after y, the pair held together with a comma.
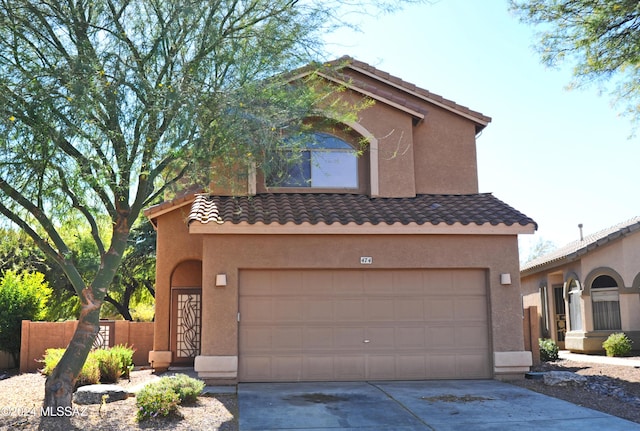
x: 363, y: 325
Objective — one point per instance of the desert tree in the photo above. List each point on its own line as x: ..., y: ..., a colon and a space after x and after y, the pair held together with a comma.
x: 107, y: 104
x: 600, y: 38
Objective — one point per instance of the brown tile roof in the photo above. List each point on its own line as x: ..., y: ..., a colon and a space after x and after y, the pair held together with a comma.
x: 327, y: 208
x: 576, y: 249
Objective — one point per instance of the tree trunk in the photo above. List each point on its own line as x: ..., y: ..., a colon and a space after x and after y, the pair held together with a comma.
x: 123, y: 308
x: 58, y: 390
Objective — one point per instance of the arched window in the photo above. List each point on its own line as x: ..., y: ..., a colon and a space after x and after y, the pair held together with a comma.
x: 575, y: 308
x: 323, y: 161
x: 606, y: 303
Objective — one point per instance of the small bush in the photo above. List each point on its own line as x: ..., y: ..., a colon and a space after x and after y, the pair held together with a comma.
x: 548, y: 349
x: 90, y: 373
x: 156, y: 399
x: 50, y: 360
x: 109, y: 364
x: 102, y: 365
x: 187, y: 388
x: 617, y: 344
x: 125, y: 355
x: 162, y: 397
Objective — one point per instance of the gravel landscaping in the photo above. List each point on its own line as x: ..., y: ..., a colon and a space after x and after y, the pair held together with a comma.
x: 21, y: 400
x: 613, y: 389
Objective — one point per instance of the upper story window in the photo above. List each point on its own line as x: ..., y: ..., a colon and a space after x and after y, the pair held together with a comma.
x: 324, y: 161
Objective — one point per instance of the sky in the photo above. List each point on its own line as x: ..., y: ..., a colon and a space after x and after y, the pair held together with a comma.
x: 560, y: 156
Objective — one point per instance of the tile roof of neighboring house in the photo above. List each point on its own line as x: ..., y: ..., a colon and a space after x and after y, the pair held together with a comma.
x: 575, y: 249
x: 480, y: 119
x: 328, y: 208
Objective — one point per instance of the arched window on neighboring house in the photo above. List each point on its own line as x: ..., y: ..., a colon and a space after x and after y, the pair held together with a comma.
x: 574, y: 292
x: 606, y: 303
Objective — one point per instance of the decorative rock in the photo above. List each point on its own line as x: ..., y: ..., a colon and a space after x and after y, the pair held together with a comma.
x: 92, y: 394
x: 563, y: 378
x: 534, y: 375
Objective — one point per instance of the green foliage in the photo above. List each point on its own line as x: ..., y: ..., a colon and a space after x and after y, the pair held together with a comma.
x: 162, y: 397
x: 617, y: 344
x: 50, y: 360
x: 23, y: 296
x: 599, y: 37
x: 102, y: 365
x: 89, y: 375
x: 131, y: 295
x: 143, y: 312
x: 18, y: 252
x: 109, y: 364
x: 155, y: 400
x: 125, y: 357
x: 548, y: 349
x: 187, y: 388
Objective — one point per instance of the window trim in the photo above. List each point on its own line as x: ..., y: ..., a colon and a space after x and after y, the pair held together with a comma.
x: 609, y: 294
x: 597, y: 272
x: 320, y: 189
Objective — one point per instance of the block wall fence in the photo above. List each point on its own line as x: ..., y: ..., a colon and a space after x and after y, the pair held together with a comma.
x: 37, y: 337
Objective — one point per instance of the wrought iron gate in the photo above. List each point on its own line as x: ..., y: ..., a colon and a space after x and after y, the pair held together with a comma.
x: 186, y: 324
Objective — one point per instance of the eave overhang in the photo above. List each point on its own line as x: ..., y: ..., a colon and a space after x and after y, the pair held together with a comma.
x: 244, y: 228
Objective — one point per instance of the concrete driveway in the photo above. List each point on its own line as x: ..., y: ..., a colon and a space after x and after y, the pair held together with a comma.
x: 440, y: 405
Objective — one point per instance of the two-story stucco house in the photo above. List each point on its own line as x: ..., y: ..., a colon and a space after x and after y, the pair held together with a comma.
x: 387, y: 265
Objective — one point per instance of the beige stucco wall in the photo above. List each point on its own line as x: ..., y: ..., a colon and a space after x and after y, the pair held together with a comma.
x: 445, y: 168
x: 443, y: 145
x: 174, y: 245
x: 226, y: 254
x: 623, y: 256
x: 394, y: 132
x: 434, y: 155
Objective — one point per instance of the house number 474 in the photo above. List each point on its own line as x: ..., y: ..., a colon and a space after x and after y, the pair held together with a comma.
x: 366, y: 260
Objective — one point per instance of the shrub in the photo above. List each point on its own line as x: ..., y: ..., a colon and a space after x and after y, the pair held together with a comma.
x: 156, y: 399
x: 162, y: 397
x: 50, y: 360
x: 102, y: 365
x: 548, y: 349
x: 125, y: 355
x: 115, y: 362
x: 187, y: 388
x: 109, y: 364
x: 89, y: 375
x: 617, y: 344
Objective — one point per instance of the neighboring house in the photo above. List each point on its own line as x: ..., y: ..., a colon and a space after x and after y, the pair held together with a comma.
x: 390, y: 265
x: 588, y: 289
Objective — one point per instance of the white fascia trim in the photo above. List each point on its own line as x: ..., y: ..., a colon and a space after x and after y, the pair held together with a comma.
x: 355, y: 229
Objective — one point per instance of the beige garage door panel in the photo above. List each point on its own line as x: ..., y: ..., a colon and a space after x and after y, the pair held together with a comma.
x: 356, y: 325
